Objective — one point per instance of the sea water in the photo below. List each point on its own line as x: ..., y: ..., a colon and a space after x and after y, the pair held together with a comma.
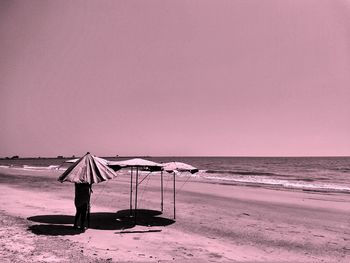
x: 307, y: 173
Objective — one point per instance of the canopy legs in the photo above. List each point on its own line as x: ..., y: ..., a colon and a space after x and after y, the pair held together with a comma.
x: 174, y: 196
x: 161, y: 190
x: 137, y: 182
x: 131, y: 172
x: 134, y: 211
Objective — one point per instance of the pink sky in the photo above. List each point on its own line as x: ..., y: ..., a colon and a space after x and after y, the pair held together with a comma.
x: 261, y: 78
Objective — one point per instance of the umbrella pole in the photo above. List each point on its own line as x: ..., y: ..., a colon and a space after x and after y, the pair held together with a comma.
x: 137, y: 181
x: 131, y: 191
x: 174, y: 196
x: 161, y: 188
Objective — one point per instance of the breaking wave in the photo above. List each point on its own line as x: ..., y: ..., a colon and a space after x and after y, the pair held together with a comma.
x: 265, y: 179
x: 241, y: 173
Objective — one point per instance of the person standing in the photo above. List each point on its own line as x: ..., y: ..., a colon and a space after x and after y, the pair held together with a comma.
x: 82, y: 203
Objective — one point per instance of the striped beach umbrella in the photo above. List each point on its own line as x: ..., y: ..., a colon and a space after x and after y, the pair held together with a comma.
x: 88, y: 169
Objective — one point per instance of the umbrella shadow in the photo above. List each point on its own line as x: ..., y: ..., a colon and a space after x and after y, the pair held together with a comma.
x: 53, y: 225
x: 144, y: 217
x: 53, y: 230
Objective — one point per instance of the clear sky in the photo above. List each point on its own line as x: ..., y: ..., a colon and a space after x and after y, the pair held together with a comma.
x: 251, y: 78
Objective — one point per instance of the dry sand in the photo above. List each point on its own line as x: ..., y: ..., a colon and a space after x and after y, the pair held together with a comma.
x: 215, y: 223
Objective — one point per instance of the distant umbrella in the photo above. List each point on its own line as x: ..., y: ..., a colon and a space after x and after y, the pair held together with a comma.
x: 72, y: 160
x: 88, y: 169
x: 180, y: 167
x: 77, y: 159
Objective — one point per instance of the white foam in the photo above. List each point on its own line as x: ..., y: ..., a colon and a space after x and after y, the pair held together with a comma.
x: 50, y: 167
x: 283, y: 183
x: 35, y: 168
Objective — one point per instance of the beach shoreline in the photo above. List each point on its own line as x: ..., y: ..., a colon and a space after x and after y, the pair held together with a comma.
x: 214, y: 222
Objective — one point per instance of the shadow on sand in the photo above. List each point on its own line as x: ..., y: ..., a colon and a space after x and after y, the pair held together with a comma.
x: 54, y: 230
x: 54, y: 225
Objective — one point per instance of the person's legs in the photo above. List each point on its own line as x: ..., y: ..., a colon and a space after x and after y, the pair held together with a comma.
x: 83, y: 215
x: 77, y: 215
x: 88, y: 215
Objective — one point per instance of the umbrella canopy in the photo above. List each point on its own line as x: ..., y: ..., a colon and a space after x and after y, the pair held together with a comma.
x: 88, y: 169
x: 178, y: 166
x: 136, y: 162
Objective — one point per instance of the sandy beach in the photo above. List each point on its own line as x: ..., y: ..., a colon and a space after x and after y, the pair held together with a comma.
x: 214, y: 222
x: 250, y: 98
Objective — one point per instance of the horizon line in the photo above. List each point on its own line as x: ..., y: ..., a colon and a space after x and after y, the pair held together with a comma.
x: 177, y: 156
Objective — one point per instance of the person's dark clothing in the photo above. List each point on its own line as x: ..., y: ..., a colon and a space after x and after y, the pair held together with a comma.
x: 82, y: 194
x: 82, y: 202
x: 81, y: 213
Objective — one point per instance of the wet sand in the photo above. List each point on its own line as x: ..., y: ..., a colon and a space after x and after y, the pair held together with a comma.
x: 214, y: 222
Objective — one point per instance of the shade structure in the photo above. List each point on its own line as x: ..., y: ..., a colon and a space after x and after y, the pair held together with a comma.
x: 179, y: 166
x: 135, y: 163
x: 88, y: 169
x: 172, y: 167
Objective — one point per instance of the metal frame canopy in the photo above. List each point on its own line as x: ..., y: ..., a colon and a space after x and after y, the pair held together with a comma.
x: 173, y: 167
x: 138, y: 164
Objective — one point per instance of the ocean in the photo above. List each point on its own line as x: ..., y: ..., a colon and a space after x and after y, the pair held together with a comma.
x: 326, y: 174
